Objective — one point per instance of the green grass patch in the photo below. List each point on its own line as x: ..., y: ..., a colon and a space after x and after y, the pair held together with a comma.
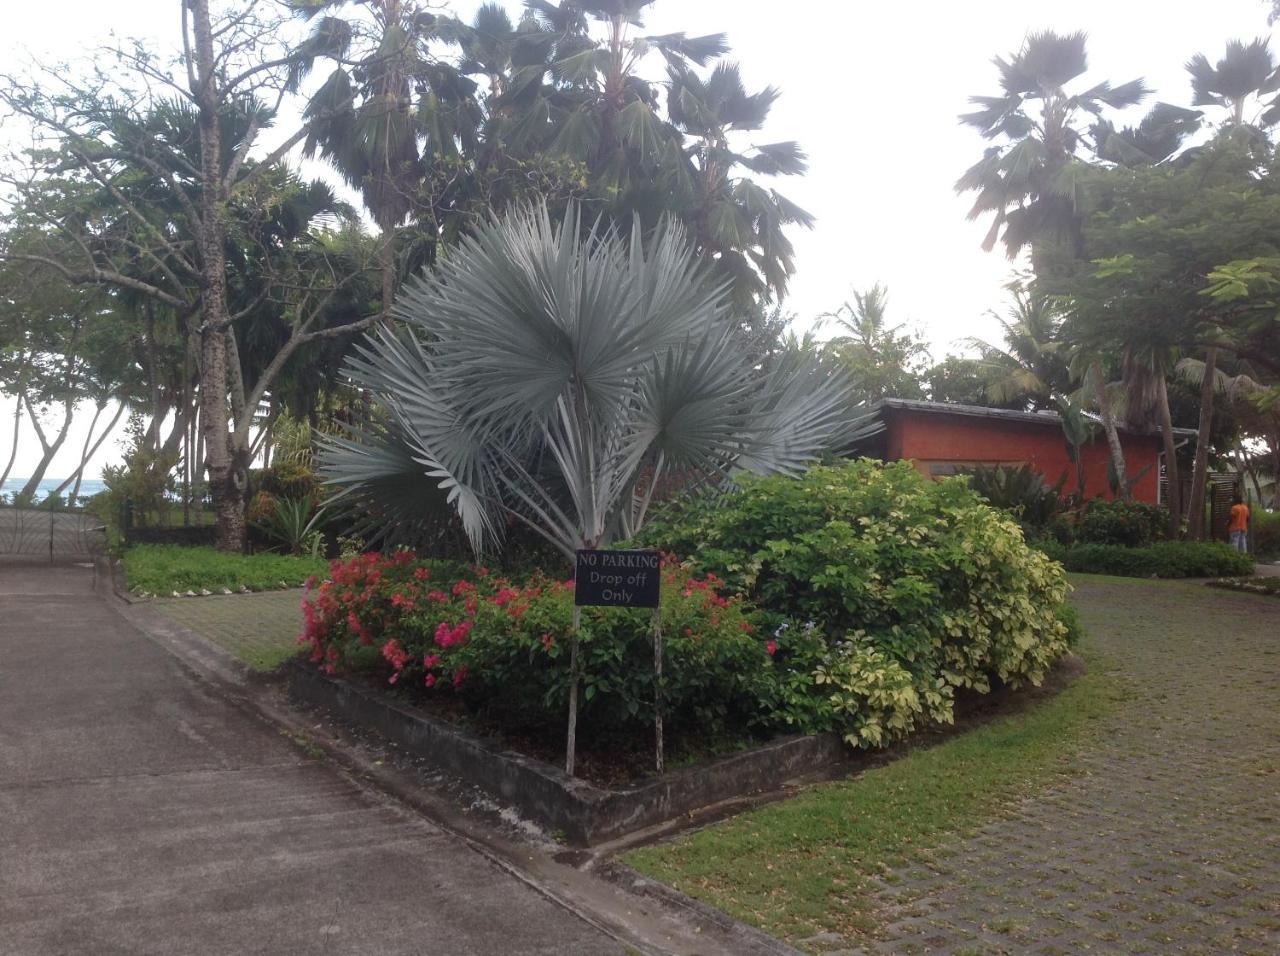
x: 800, y: 868
x: 261, y: 629
x: 165, y: 568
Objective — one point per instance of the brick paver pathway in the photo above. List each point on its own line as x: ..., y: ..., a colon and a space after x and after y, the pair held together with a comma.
x: 261, y: 629
x: 1167, y: 839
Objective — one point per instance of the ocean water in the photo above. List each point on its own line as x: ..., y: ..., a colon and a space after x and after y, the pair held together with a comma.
x: 88, y: 487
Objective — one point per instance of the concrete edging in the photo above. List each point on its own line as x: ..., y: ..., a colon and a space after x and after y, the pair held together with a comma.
x: 584, y: 813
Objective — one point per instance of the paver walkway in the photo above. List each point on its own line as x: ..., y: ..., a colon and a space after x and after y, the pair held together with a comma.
x: 142, y: 813
x: 1168, y: 837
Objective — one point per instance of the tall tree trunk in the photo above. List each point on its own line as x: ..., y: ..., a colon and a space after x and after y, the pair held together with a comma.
x: 1170, y: 458
x: 1109, y: 426
x: 48, y: 449
x: 88, y: 451
x: 227, y: 473
x: 1200, y: 472
x: 13, y: 452
x: 388, y: 257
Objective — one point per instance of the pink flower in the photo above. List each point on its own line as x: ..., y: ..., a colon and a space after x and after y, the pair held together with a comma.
x: 772, y: 648
x: 395, y: 654
x: 430, y: 680
x: 431, y: 660
x: 422, y: 573
x: 459, y: 676
x: 548, y: 642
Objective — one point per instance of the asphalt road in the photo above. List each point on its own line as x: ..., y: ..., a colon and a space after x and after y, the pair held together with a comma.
x: 142, y: 813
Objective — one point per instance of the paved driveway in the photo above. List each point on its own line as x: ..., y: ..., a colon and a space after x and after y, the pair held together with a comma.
x: 1166, y: 837
x: 142, y: 813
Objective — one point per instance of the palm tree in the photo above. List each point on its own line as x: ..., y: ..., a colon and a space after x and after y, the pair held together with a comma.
x: 363, y: 119
x: 565, y: 377
x: 1246, y: 73
x: 1028, y: 179
x: 737, y: 221
x: 886, y: 361
x: 1031, y: 365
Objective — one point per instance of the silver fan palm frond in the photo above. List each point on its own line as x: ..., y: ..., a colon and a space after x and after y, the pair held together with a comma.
x: 556, y: 373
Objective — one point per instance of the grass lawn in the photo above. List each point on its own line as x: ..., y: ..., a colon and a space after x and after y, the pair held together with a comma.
x: 260, y: 629
x: 801, y: 868
x: 164, y: 568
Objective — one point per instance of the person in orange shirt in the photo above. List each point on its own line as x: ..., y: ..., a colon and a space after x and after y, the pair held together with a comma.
x: 1239, y: 526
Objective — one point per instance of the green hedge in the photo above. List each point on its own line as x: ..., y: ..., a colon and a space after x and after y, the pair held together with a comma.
x: 1164, y: 559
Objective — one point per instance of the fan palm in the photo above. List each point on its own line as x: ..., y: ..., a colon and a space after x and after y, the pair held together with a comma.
x: 736, y: 220
x: 364, y: 119
x: 1246, y: 71
x: 1028, y: 178
x: 557, y: 380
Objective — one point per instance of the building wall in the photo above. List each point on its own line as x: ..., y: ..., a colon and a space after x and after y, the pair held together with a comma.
x: 938, y: 443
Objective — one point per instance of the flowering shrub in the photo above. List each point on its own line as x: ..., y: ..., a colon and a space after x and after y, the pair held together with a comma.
x: 502, y: 647
x: 923, y: 573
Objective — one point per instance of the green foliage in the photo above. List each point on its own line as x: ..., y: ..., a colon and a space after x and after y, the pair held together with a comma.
x: 291, y: 524
x: 1022, y: 492
x: 874, y: 699
x: 165, y: 568
x: 884, y: 361
x: 1266, y: 533
x: 1163, y: 559
x: 1132, y: 524
x: 881, y: 558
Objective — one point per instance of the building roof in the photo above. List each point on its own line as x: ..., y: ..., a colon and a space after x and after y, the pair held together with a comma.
x: 1005, y: 414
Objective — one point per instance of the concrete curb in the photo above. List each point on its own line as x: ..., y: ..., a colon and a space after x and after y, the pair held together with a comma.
x: 584, y: 813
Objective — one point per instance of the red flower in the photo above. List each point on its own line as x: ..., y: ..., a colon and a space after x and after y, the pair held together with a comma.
x: 772, y: 648
x: 430, y: 680
x: 439, y: 597
x: 548, y: 642
x: 431, y: 660
x: 395, y: 655
x: 422, y: 573
x: 459, y: 676
x: 746, y: 627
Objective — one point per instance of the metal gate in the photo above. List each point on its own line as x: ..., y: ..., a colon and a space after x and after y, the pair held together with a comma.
x: 50, y: 534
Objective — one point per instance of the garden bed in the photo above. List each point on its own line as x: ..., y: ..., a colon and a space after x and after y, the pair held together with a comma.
x: 586, y: 813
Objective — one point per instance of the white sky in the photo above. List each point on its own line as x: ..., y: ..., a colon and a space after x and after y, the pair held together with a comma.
x: 870, y: 90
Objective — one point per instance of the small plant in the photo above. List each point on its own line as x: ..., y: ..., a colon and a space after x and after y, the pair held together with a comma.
x: 292, y: 524
x: 1022, y: 492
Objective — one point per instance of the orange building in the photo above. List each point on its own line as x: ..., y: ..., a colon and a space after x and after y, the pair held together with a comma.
x: 942, y: 439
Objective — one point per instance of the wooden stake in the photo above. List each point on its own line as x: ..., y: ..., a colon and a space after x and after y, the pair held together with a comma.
x: 572, y: 743
x: 657, y: 684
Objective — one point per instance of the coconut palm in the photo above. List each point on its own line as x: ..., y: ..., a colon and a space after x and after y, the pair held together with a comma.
x: 1032, y: 365
x: 1028, y: 178
x: 557, y: 381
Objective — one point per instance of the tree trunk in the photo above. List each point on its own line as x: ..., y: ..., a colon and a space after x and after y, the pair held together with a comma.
x: 13, y: 453
x: 1109, y: 426
x: 227, y: 475
x: 49, y: 451
x: 388, y: 257
x: 88, y: 452
x: 1200, y: 472
x: 1170, y: 459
